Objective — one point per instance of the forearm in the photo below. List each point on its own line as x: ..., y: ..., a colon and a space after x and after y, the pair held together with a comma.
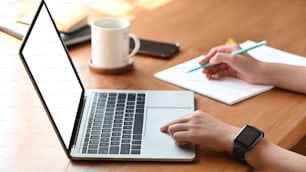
x: 268, y: 156
x: 284, y: 76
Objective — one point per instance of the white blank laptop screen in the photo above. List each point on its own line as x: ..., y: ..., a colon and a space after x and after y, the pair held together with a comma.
x: 53, y: 74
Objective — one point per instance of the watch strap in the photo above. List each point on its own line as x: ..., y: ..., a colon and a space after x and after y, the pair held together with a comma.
x: 239, y: 153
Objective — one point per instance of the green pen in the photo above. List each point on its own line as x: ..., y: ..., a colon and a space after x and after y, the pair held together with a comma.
x: 237, y: 52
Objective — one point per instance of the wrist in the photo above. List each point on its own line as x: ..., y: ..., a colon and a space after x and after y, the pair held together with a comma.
x: 252, y: 156
x: 265, y: 73
x: 228, y: 143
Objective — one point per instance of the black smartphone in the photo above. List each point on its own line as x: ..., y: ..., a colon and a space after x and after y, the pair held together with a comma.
x: 157, y: 49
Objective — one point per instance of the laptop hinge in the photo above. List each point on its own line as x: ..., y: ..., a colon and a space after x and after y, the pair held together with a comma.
x: 80, y: 115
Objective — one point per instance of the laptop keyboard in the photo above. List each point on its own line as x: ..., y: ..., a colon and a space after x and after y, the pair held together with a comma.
x: 115, y: 124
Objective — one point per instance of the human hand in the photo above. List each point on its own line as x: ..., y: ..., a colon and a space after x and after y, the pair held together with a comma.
x: 202, y: 129
x: 224, y: 64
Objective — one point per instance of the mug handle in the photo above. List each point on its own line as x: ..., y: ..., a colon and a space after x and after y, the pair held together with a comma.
x: 136, y: 47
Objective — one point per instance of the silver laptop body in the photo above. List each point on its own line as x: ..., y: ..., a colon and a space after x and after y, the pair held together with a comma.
x: 70, y: 108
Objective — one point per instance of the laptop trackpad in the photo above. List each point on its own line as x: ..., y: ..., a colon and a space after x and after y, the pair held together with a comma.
x: 157, y: 142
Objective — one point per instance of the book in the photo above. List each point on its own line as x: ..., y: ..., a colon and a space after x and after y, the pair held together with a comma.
x: 228, y: 90
x: 67, y: 19
x: 18, y: 30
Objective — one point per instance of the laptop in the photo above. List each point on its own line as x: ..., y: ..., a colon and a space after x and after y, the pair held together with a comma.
x: 99, y: 124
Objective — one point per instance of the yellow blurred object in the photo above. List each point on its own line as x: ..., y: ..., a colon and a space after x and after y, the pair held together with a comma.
x: 73, y: 20
x: 230, y: 41
x: 66, y: 20
x: 149, y: 4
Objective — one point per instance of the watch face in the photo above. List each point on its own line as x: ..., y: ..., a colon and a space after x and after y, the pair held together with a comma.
x: 249, y: 136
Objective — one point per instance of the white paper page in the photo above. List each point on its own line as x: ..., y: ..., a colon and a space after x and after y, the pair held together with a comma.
x: 228, y: 90
x: 269, y: 54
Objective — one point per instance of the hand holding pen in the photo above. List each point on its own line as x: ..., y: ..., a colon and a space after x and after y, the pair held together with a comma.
x: 230, y: 60
x: 237, y: 52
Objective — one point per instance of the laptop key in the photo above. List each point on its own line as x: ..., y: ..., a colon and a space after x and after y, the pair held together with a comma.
x: 136, y: 142
x: 136, y: 147
x: 137, y: 137
x: 94, y: 141
x: 135, y: 151
x: 138, y: 124
x: 126, y: 136
x: 127, y: 132
x: 115, y: 139
x: 125, y: 141
x: 95, y: 146
x: 141, y: 110
x: 122, y: 96
x: 114, y: 143
x: 103, y: 150
x: 117, y: 125
x: 125, y: 149
x: 92, y: 151
x: 114, y: 150
x: 131, y: 97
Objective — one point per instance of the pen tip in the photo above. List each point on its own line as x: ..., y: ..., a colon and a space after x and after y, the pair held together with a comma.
x: 264, y: 42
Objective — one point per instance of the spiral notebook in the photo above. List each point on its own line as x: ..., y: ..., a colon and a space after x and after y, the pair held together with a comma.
x: 228, y: 90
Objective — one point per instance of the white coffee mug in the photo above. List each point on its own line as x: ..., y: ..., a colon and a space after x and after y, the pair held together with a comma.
x: 110, y: 44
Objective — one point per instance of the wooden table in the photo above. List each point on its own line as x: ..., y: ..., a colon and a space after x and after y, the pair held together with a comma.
x: 28, y: 142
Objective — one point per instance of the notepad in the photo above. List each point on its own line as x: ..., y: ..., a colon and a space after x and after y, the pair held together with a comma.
x: 228, y: 90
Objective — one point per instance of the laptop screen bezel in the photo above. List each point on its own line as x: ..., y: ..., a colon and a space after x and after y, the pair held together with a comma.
x: 79, y: 111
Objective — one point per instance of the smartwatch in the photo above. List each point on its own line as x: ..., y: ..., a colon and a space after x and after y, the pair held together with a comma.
x: 245, y: 140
